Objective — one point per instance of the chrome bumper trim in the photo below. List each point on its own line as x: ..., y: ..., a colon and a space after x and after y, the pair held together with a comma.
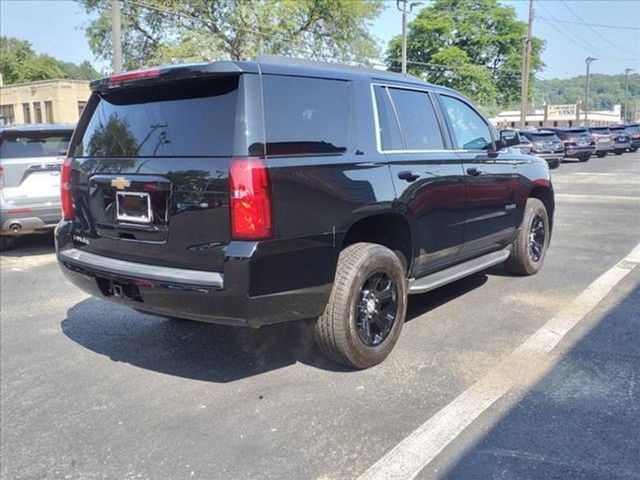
x: 99, y: 263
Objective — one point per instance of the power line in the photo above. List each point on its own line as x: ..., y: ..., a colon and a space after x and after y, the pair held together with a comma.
x: 595, y: 31
x: 578, y: 40
x: 596, y: 25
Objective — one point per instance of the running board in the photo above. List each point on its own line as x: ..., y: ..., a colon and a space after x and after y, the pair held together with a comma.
x: 451, y: 274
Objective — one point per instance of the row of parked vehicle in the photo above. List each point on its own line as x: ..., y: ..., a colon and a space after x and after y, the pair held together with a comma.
x: 555, y: 144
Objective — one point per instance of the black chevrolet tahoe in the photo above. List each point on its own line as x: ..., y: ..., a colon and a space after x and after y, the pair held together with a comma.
x: 251, y: 193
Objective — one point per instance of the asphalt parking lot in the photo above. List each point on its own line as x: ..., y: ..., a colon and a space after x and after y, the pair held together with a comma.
x: 92, y: 390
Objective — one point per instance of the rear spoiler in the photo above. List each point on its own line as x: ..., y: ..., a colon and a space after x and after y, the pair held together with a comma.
x: 171, y: 73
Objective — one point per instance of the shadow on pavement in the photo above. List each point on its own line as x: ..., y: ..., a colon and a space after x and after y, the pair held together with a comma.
x: 210, y: 352
x: 37, y: 244
x: 581, y: 420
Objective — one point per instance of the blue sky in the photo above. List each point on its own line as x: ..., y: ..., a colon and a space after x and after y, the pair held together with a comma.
x: 56, y: 27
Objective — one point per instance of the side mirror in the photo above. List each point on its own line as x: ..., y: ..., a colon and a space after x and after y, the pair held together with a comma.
x: 509, y: 138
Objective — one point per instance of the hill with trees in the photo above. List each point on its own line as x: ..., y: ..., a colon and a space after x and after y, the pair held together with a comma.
x: 605, y: 91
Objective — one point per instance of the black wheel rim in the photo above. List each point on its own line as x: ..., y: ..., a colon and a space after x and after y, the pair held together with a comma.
x: 537, y: 236
x: 376, y: 308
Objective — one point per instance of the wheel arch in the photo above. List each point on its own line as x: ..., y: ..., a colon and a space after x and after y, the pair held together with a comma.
x: 390, y: 229
x: 544, y: 193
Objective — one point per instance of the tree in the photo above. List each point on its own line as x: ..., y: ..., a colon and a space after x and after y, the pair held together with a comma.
x: 20, y: 63
x: 474, y: 46
x: 170, y: 31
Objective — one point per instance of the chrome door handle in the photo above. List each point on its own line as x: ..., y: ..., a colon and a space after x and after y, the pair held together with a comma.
x: 408, y: 175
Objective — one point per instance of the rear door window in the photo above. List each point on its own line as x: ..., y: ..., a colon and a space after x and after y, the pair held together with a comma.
x: 194, y: 118
x: 470, y: 131
x: 306, y: 116
x: 418, y: 121
x: 33, y: 144
x: 390, y: 137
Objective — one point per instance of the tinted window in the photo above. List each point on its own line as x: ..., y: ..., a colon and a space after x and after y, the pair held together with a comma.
x: 469, y: 129
x: 36, y: 144
x: 600, y: 131
x: 194, y: 118
x: 305, y: 115
x: 390, y: 138
x: 418, y: 122
x: 541, y: 136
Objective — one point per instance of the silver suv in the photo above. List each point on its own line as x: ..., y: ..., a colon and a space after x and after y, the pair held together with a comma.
x: 30, y: 160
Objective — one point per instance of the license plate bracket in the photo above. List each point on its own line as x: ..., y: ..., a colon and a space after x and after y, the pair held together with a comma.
x: 133, y: 207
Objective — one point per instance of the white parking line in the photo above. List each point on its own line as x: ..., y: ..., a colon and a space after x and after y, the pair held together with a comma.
x: 597, y: 198
x: 411, y: 455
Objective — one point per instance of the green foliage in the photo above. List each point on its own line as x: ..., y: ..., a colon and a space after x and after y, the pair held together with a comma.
x: 474, y: 46
x: 199, y: 30
x: 605, y: 91
x: 19, y: 63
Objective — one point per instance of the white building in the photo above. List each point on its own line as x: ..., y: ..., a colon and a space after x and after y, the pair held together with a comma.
x: 558, y: 116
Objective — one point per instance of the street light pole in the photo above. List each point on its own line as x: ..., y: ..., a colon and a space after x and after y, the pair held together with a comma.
x: 626, y: 94
x: 116, y: 34
x: 526, y: 67
x: 588, y: 61
x: 405, y: 11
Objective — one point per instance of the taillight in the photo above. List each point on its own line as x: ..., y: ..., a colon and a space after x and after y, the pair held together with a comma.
x: 65, y: 189
x: 249, y: 201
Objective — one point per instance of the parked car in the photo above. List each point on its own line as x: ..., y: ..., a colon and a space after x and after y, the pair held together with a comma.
x: 578, y: 142
x: 547, y: 145
x: 30, y: 160
x: 252, y: 193
x: 633, y: 131
x: 518, y: 141
x: 621, y: 139
x: 604, y: 140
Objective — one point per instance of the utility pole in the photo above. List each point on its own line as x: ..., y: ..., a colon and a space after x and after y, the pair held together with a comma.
x: 405, y: 11
x: 626, y: 94
x: 588, y: 61
x: 526, y: 67
x: 116, y: 36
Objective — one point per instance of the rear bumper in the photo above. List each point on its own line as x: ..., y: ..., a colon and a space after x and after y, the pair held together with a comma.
x: 573, y: 152
x: 22, y: 221
x: 622, y: 146
x: 213, y: 297
x: 604, y: 148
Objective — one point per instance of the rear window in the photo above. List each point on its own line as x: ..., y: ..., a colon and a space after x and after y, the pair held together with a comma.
x: 36, y: 144
x: 541, y: 136
x: 194, y: 118
x: 306, y: 116
x: 600, y: 131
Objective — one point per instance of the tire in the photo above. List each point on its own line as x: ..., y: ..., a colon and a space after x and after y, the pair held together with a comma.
x: 522, y: 261
x: 633, y: 149
x: 363, y: 270
x: 618, y: 152
x: 7, y: 243
x: 602, y: 155
x: 584, y: 158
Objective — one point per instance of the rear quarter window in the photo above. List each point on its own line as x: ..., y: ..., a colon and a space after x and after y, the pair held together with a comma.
x: 305, y: 116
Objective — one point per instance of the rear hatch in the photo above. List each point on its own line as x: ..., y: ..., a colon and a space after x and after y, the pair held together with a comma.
x: 545, y: 142
x: 579, y: 137
x: 30, y: 163
x: 150, y: 170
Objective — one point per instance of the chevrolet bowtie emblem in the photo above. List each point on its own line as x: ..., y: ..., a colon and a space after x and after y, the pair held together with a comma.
x: 120, y: 183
